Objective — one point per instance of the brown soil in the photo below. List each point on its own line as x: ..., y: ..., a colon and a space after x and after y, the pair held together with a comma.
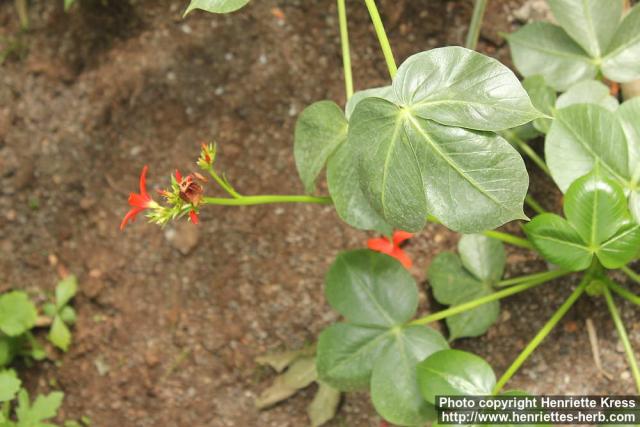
x: 170, y: 320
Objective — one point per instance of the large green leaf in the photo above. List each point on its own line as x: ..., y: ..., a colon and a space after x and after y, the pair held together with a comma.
x: 394, y: 385
x: 216, y: 6
x: 9, y: 385
x: 591, y: 23
x: 347, y: 352
x: 17, y: 313
x: 588, y: 92
x: 485, y: 258
x: 460, y: 87
x: 598, y: 222
x: 320, y: 129
x: 543, y: 98
x: 384, y: 92
x: 411, y: 167
x: 582, y: 135
x: 454, y: 373
x: 621, y: 60
x: 558, y: 242
x: 347, y: 195
x: 546, y: 49
x: 371, y: 289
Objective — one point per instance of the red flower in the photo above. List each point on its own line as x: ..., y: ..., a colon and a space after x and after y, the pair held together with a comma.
x: 392, y: 247
x: 138, y: 202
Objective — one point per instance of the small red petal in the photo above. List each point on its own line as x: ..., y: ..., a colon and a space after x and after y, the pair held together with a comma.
x: 400, y: 236
x: 193, y: 216
x: 178, y: 176
x: 139, y: 201
x: 143, y: 180
x: 402, y: 256
x: 129, y: 217
x: 380, y: 244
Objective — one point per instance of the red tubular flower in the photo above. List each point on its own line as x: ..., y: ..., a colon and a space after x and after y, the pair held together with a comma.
x: 138, y: 202
x: 392, y: 247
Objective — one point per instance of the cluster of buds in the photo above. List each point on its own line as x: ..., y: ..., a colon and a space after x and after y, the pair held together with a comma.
x: 182, y: 198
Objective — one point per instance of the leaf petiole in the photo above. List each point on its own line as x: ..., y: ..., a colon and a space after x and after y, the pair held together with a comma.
x: 509, y: 238
x: 533, y: 204
x: 382, y: 37
x: 346, y: 55
x: 542, y: 334
x: 546, y: 276
x: 632, y: 274
x: 622, y: 333
x: 526, y: 149
x: 624, y: 293
x: 498, y: 235
x: 452, y: 311
x: 476, y: 22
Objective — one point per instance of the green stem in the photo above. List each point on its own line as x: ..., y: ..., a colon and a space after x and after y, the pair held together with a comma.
x: 346, y: 55
x: 624, y: 293
x: 224, y: 184
x: 382, y: 37
x: 542, y: 334
x: 265, y: 200
x: 23, y: 13
x: 476, y: 22
x: 545, y: 276
x: 622, y: 333
x: 526, y: 149
x: 632, y: 274
x: 498, y: 235
x: 509, y: 238
x: 452, y: 311
x: 533, y: 204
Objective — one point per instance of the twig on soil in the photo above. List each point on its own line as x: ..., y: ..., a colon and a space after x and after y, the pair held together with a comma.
x: 595, y: 349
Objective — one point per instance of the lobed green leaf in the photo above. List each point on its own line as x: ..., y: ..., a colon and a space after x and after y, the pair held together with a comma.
x: 459, y: 87
x: 17, y: 313
x: 9, y: 385
x: 412, y: 167
x: 582, y: 135
x: 541, y: 48
x: 621, y: 63
x: 591, y: 23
